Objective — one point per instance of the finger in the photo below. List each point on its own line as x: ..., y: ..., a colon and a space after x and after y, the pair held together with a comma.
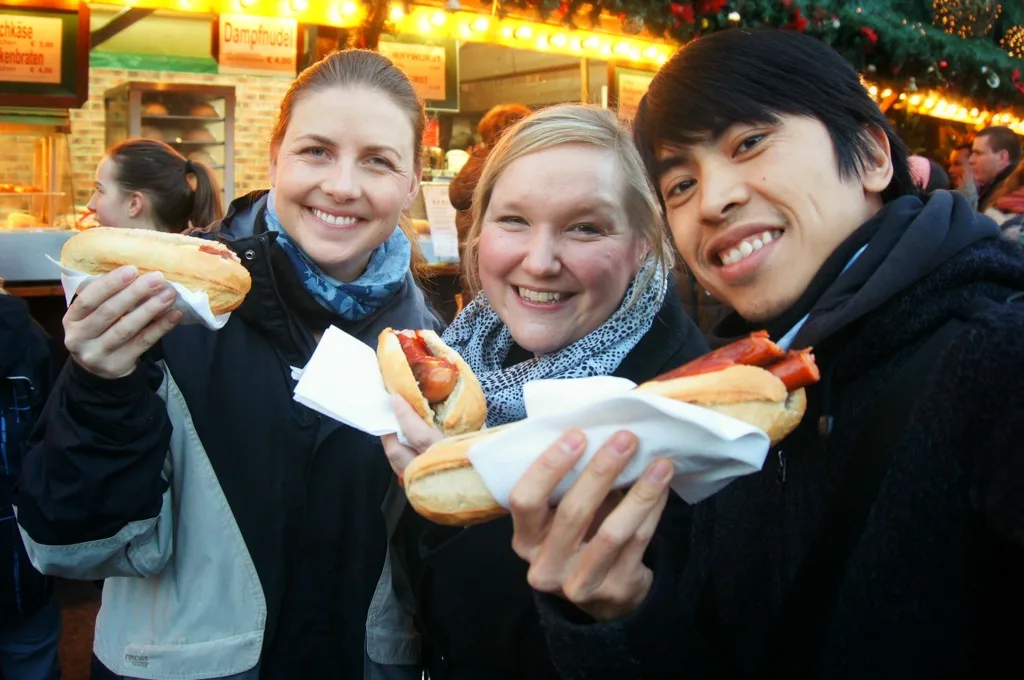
x: 618, y: 546
x: 102, y: 316
x: 128, y: 329
x: 579, y: 508
x: 416, y: 430
x: 91, y: 296
x: 399, y: 455
x: 529, y: 500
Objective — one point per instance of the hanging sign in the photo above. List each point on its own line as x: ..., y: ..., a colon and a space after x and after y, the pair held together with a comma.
x: 254, y: 44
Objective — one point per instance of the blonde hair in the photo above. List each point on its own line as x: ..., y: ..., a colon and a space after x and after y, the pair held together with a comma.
x: 574, y: 124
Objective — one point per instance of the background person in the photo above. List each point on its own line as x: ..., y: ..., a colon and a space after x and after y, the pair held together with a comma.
x: 995, y: 153
x: 146, y: 184
x: 30, y: 620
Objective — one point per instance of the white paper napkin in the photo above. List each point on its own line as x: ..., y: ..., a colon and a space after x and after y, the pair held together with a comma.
x: 709, y: 450
x: 194, y: 305
x: 342, y: 380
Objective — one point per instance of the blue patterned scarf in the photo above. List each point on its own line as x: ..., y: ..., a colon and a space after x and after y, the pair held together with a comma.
x: 384, y: 276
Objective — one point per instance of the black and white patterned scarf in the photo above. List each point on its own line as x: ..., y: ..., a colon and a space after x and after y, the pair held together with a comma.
x: 483, y: 340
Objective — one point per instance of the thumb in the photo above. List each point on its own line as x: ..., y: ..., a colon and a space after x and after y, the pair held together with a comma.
x: 419, y: 435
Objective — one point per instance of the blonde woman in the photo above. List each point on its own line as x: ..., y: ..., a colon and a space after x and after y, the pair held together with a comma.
x: 570, y: 261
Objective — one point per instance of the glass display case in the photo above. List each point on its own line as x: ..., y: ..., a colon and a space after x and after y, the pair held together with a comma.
x: 36, y: 194
x: 197, y: 120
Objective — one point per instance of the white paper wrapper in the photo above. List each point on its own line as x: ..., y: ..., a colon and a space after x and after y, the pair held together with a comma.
x: 194, y: 305
x: 709, y: 450
x: 342, y: 380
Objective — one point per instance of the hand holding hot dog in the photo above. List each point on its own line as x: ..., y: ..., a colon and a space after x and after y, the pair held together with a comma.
x: 419, y: 435
x: 116, y: 318
x: 590, y: 548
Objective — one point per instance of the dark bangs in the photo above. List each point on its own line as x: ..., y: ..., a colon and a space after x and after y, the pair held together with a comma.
x: 752, y: 76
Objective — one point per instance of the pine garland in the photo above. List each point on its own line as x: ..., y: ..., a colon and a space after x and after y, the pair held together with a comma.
x: 891, y: 41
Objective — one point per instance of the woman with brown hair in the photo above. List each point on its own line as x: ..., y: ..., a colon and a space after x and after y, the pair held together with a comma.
x: 146, y: 184
x: 241, y: 534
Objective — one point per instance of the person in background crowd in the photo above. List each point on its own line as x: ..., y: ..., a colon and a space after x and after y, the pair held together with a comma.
x: 460, y: 191
x: 240, y: 533
x: 959, y: 164
x: 30, y: 624
x: 927, y: 174
x: 995, y: 153
x: 145, y: 184
x: 571, y: 262
x: 1008, y: 205
x: 884, y: 537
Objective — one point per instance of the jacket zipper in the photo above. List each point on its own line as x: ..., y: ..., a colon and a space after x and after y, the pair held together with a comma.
x: 782, y: 466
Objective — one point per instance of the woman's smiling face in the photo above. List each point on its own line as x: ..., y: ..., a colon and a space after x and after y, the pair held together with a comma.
x: 343, y: 173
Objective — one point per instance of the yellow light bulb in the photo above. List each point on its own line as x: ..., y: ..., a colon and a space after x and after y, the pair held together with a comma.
x: 506, y: 32
x: 622, y: 48
x: 558, y: 40
x: 348, y: 8
x: 915, y: 100
x: 591, y: 43
x: 887, y: 92
x: 524, y: 32
x: 651, y: 53
x: 903, y: 96
x: 974, y: 113
x: 929, y: 103
x: 439, y: 18
x: 425, y: 26
x: 873, y: 90
x: 397, y: 13
x: 575, y: 44
x: 480, y: 25
x: 299, y: 5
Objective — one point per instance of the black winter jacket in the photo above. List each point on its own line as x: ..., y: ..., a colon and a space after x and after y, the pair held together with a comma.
x: 305, y: 491
x: 475, y: 610
x: 27, y: 372
x: 933, y: 587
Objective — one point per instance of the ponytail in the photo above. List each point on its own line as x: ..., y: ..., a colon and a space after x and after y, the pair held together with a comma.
x: 206, y: 203
x: 162, y: 174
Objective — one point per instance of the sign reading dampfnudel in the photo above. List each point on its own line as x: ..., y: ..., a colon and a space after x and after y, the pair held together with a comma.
x: 30, y: 49
x: 253, y: 44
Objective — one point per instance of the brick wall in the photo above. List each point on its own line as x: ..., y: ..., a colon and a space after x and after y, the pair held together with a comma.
x: 256, y: 102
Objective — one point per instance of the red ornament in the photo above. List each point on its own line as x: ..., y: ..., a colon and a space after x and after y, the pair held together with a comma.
x: 711, y: 6
x: 870, y: 37
x: 943, y: 63
x: 796, y: 22
x: 1015, y: 79
x: 682, y: 13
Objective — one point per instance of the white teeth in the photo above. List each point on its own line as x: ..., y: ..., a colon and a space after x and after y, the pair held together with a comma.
x: 749, y: 246
x: 538, y: 296
x: 337, y: 220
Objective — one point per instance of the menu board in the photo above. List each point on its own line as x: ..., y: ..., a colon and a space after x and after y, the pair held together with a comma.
x: 424, y: 64
x: 30, y: 49
x: 254, y: 44
x: 432, y: 65
x: 630, y: 87
x: 44, y: 55
x: 444, y: 235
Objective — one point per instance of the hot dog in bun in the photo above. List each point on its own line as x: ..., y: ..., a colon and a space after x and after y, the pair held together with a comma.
x: 752, y: 380
x: 433, y: 378
x: 196, y: 263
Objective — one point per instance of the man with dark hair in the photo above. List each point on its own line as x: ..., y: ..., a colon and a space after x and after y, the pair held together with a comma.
x: 994, y: 155
x: 884, y: 538
x: 959, y: 164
